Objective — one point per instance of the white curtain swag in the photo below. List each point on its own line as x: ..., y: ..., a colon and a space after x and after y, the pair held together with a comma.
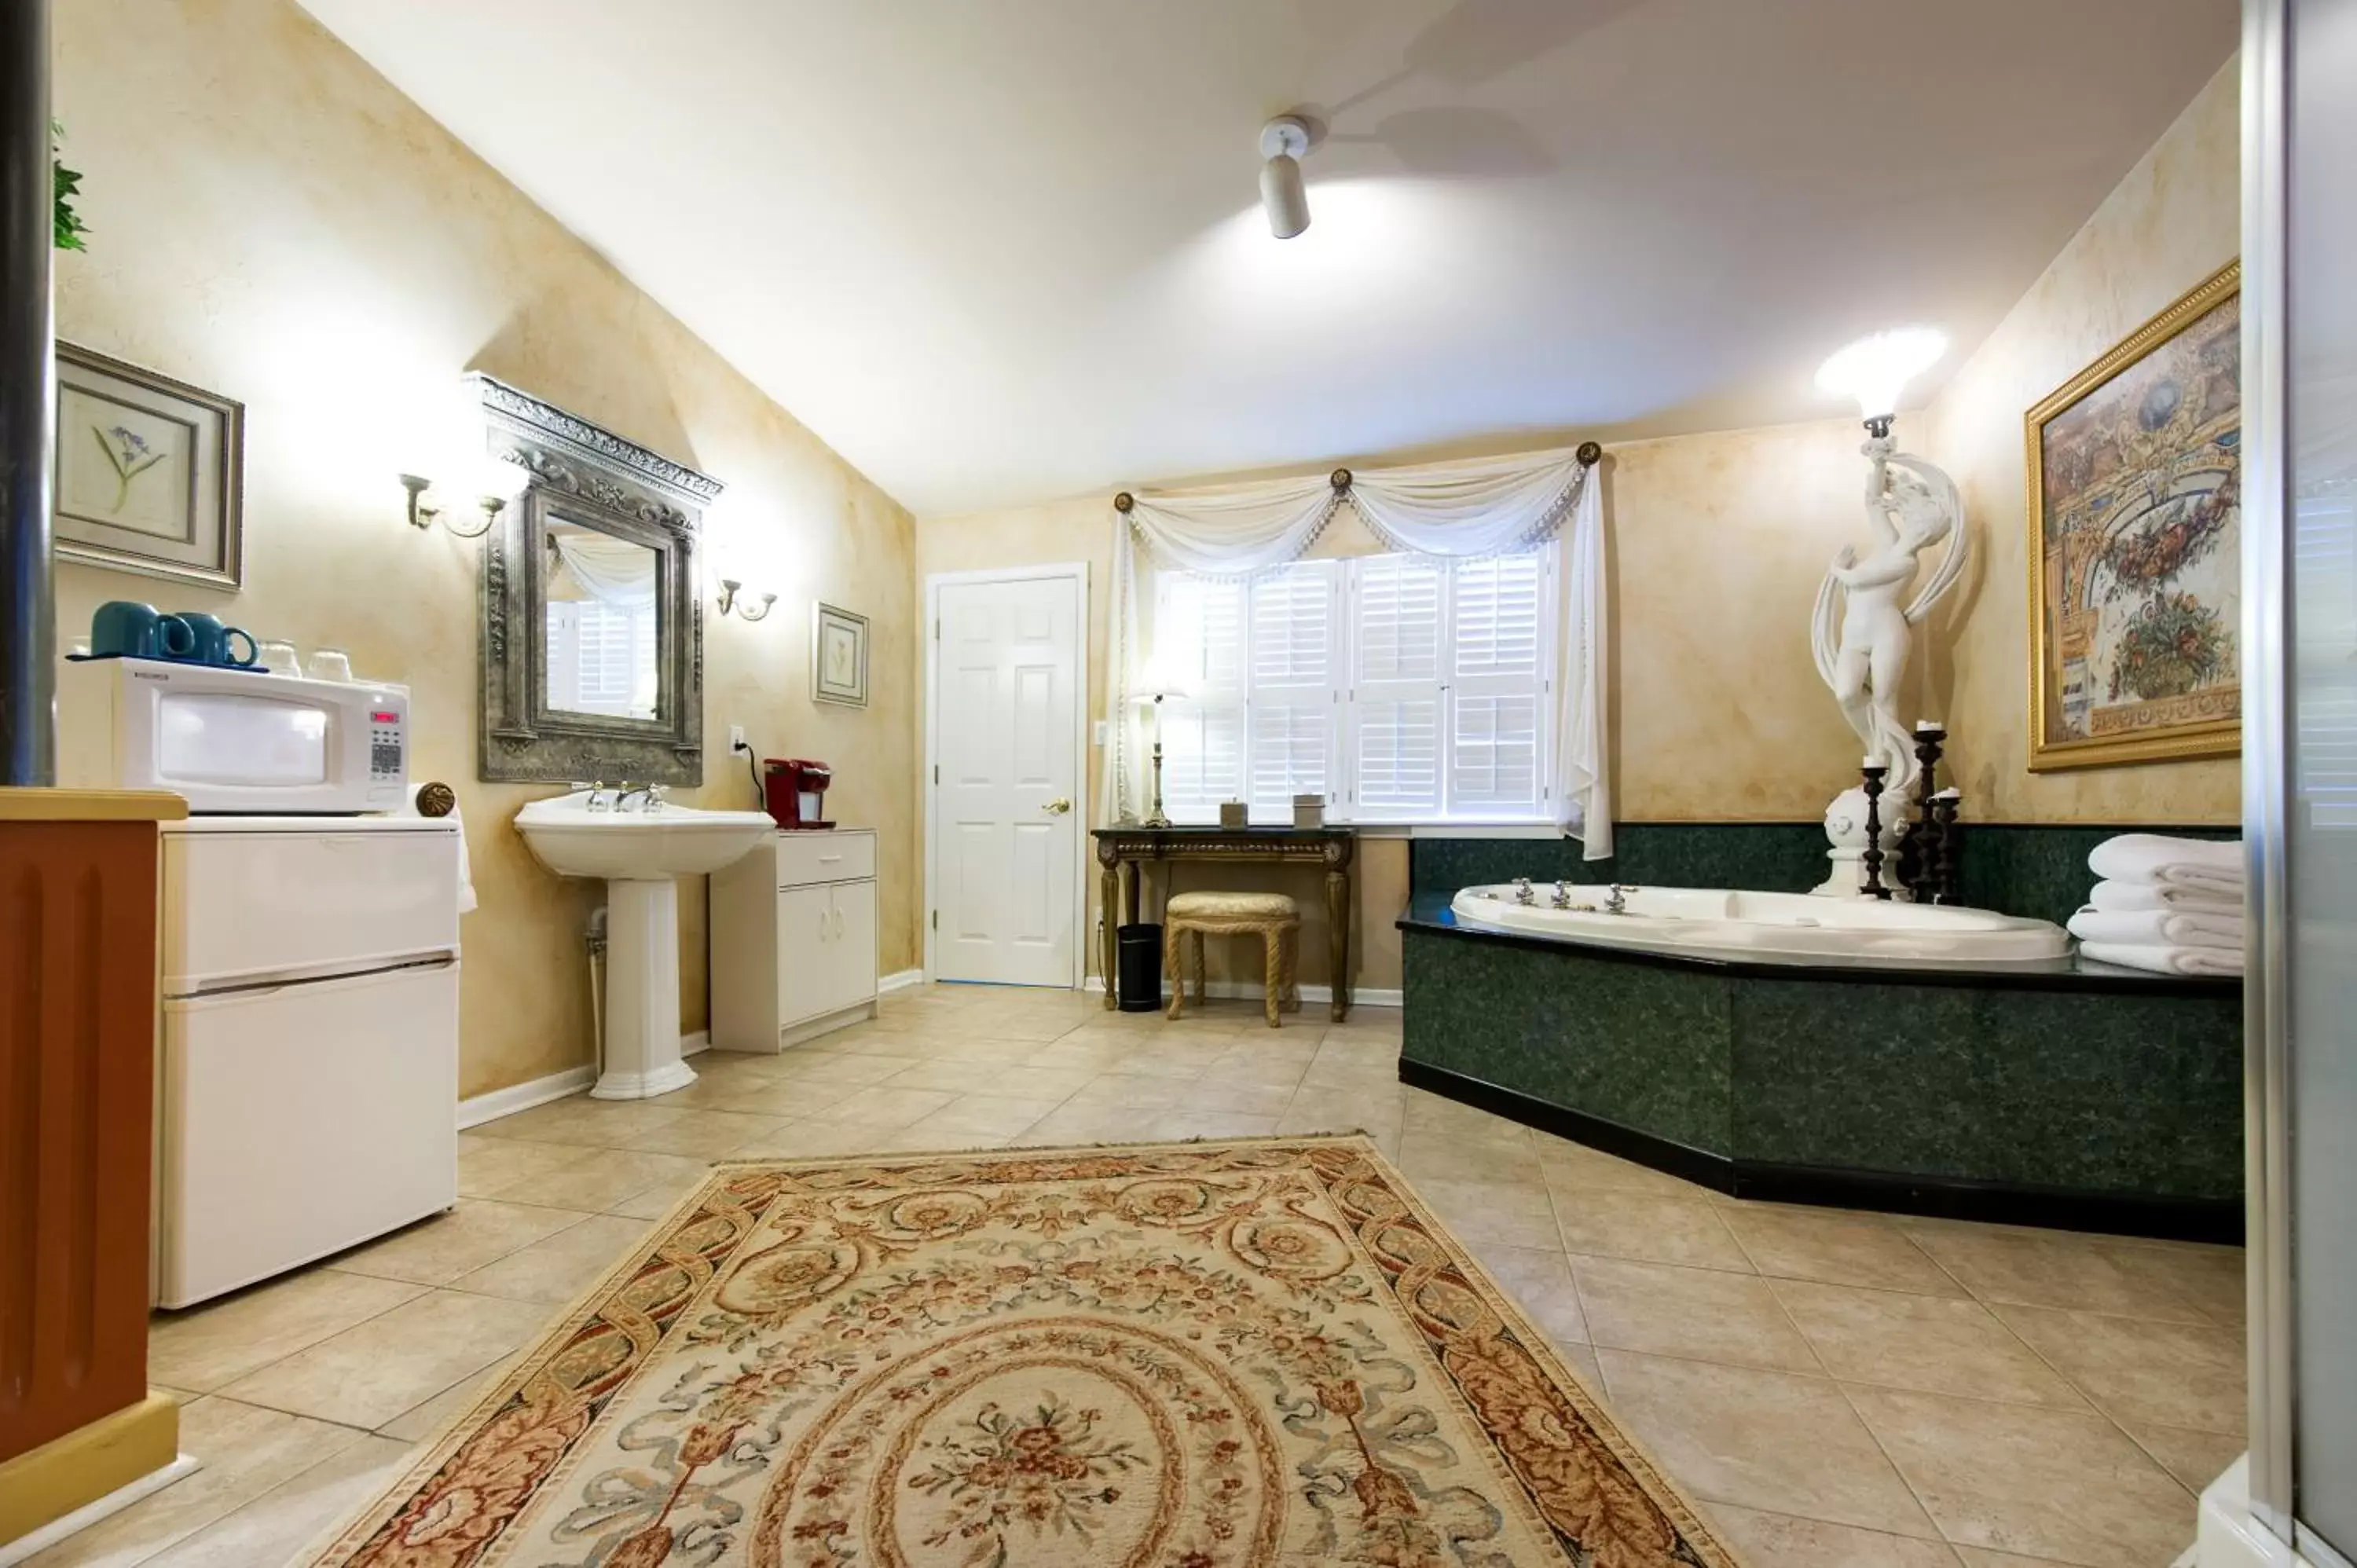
x: 1492, y: 506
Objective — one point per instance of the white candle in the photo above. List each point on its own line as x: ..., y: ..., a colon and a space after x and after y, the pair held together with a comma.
x: 1922, y: 725
x: 1869, y: 761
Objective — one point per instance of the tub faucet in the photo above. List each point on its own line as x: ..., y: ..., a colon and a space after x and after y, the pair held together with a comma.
x: 1562, y: 899
x: 1616, y: 898
x: 1523, y: 890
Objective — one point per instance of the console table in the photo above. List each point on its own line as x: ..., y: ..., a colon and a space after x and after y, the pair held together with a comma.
x: 1333, y: 848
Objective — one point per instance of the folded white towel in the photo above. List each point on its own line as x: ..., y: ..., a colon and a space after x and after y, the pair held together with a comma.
x: 2165, y: 960
x: 2206, y: 866
x: 2125, y: 896
x: 2159, y: 928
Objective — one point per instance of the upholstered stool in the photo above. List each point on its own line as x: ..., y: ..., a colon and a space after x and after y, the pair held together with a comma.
x: 1273, y: 917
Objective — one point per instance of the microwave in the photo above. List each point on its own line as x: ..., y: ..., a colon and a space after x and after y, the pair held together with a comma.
x: 233, y: 740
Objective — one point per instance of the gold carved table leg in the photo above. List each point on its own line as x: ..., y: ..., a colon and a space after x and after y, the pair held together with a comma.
x: 1109, y: 896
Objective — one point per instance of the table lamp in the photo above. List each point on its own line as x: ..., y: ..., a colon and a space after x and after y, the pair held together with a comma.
x: 1159, y: 680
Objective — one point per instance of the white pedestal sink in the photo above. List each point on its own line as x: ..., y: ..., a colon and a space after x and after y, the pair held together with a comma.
x: 638, y: 853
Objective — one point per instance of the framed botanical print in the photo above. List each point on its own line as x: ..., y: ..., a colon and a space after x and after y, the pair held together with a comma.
x: 2134, y: 481
x: 148, y: 472
x: 839, y: 657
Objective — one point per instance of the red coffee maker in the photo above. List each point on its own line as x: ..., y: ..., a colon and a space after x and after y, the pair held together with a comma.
x: 795, y: 790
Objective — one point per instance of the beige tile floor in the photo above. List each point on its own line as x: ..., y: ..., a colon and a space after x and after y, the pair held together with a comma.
x: 1842, y: 1390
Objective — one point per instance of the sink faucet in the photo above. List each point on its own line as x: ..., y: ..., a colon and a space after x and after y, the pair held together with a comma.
x: 1616, y: 898
x: 651, y: 794
x: 597, y: 787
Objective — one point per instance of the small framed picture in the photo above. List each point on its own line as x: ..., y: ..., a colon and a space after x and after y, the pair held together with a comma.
x: 839, y: 657
x: 148, y: 472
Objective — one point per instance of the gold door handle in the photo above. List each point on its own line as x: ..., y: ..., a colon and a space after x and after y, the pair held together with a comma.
x: 1057, y: 807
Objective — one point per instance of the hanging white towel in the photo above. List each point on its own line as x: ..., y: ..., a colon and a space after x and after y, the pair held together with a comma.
x: 2127, y: 896
x: 2165, y: 959
x: 2207, y: 865
x: 2159, y: 928
x: 466, y: 877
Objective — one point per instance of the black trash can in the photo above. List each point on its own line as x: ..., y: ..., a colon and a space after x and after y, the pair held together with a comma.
x: 1139, y: 964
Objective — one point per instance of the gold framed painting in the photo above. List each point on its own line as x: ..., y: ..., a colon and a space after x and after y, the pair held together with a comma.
x: 2136, y: 532
x: 148, y: 472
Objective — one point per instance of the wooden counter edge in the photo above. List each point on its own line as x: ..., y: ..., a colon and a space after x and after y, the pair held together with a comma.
x: 24, y: 805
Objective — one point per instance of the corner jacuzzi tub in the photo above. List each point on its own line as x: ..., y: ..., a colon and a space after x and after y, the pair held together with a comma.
x: 1719, y: 923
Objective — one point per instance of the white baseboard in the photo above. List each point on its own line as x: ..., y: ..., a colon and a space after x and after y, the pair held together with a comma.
x: 689, y: 1045
x: 1251, y: 991
x: 899, y: 982
x: 83, y: 1518
x: 482, y: 1108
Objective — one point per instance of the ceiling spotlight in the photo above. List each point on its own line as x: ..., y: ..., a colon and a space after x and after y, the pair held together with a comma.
x: 1282, y: 142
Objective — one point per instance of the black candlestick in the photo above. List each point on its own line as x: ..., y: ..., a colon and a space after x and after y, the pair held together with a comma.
x: 1873, y: 887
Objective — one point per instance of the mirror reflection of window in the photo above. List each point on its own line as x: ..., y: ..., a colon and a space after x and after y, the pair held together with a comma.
x: 604, y: 600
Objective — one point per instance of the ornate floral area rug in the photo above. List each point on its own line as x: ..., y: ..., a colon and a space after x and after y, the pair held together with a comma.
x: 1165, y: 1356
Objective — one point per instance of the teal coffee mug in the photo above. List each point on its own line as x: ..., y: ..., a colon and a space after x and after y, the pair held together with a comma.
x: 121, y: 628
x: 212, y: 639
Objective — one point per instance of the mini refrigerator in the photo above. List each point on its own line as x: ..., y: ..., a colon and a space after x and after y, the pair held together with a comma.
x: 309, y: 1054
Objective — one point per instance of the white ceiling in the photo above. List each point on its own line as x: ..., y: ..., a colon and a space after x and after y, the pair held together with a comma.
x: 1000, y: 251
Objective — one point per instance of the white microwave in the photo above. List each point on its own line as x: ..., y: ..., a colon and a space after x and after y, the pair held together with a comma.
x: 233, y: 740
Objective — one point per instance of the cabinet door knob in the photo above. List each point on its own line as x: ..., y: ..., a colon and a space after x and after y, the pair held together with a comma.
x: 1057, y: 807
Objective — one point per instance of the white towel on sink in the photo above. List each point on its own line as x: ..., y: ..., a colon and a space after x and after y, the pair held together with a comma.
x: 2123, y: 897
x: 2159, y: 927
x: 2207, y: 865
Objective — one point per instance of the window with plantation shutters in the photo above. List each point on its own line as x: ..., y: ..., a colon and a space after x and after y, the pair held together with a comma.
x: 1289, y: 704
x: 1403, y: 688
x: 1496, y: 683
x: 1395, y: 690
x: 1199, y: 637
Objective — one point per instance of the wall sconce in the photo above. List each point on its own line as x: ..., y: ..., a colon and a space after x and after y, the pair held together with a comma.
x: 498, y: 482
x: 729, y: 601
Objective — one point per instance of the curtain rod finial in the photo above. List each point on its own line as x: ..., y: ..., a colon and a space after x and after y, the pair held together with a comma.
x: 1589, y: 453
x: 1124, y: 500
x: 1340, y: 479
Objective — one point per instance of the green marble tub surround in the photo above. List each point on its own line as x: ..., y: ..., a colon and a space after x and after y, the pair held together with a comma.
x: 2003, y: 1092
x: 2037, y: 870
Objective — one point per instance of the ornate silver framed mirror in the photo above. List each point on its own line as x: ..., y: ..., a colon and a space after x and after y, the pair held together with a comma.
x: 592, y: 626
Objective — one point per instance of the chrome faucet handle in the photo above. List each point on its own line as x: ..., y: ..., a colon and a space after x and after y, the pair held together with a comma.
x: 654, y: 802
x: 1523, y: 890
x: 597, y: 787
x: 1562, y: 897
x: 1616, y: 897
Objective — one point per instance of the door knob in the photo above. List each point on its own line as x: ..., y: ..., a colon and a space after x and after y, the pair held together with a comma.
x: 1058, y: 806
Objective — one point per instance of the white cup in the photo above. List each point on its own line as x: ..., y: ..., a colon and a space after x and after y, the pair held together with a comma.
x: 330, y: 664
x: 278, y: 658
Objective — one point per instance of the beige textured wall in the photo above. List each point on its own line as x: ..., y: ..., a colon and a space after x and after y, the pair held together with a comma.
x: 273, y: 221
x: 2175, y: 220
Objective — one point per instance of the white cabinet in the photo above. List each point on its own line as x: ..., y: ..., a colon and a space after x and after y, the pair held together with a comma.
x: 793, y: 939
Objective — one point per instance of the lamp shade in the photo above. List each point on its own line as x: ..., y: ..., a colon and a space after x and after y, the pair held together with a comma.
x: 1162, y: 678
x: 1876, y: 371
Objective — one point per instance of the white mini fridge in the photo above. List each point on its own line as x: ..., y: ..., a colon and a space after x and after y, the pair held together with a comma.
x: 308, y: 1058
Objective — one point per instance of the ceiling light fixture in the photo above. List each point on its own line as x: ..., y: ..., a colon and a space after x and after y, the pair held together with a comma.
x: 1282, y: 142
x: 1876, y: 369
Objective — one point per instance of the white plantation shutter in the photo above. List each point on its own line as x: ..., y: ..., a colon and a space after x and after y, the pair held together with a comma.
x: 1497, y: 686
x: 1294, y: 659
x: 1404, y: 687
x: 1198, y: 630
x: 1396, y: 687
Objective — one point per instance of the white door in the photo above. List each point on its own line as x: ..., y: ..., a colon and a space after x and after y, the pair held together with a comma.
x: 1007, y: 800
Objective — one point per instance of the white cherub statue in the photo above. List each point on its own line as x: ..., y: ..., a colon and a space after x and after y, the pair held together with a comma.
x: 1860, y: 635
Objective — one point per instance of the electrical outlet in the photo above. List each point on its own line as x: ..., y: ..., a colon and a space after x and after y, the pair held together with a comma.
x: 736, y: 739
